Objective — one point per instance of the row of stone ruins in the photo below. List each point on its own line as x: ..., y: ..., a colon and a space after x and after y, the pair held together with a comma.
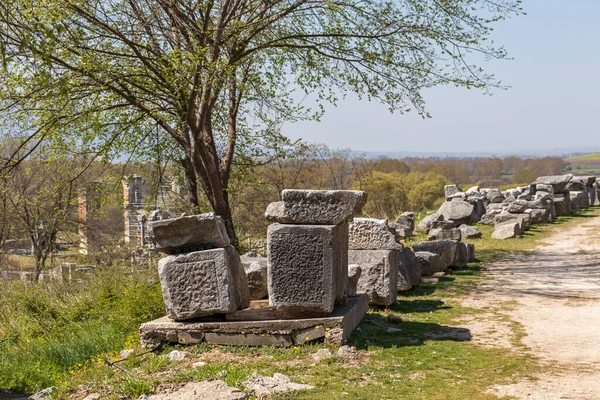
x: 318, y: 256
x: 512, y: 211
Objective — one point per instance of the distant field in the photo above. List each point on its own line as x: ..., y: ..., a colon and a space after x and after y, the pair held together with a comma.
x: 584, y: 158
x: 586, y: 164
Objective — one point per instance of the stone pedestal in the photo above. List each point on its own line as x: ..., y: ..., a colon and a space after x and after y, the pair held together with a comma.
x: 308, y: 266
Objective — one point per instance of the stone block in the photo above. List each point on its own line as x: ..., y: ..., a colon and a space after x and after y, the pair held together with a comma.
x: 203, y: 283
x: 558, y: 182
x: 256, y: 275
x: 507, y: 230
x: 471, y: 249
x: 430, y: 262
x: 316, y: 207
x: 379, y: 276
x: 189, y: 233
x: 462, y: 256
x: 458, y: 211
x: 561, y: 206
x: 308, y: 267
x: 451, y: 190
x: 425, y: 225
x: 354, y: 272
x: 444, y: 234
x: 406, y: 223
x: 371, y: 234
x: 409, y: 268
x: 469, y: 232
x: 446, y: 249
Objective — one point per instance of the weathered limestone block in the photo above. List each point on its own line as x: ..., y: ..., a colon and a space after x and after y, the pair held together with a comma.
x: 524, y: 220
x: 576, y: 185
x: 562, y: 205
x: 407, y: 222
x: 430, y: 262
x: 371, y: 234
x: 451, y: 190
x: 308, y: 266
x: 256, y: 275
x: 462, y: 256
x: 541, y: 187
x: 517, y: 207
x: 507, y: 230
x: 478, y: 208
x: 472, y: 190
x: 443, y: 224
x: 399, y: 232
x: 379, y: 276
x: 540, y: 215
x: 354, y: 272
x: 316, y: 207
x: 203, y: 283
x: 488, y: 219
x: 446, y: 249
x: 425, y: 225
x: 189, y: 233
x: 458, y: 211
x: 444, y: 234
x: 404, y: 283
x: 558, y: 182
x: 495, y: 196
x: 407, y: 262
x: 469, y: 232
x: 574, y: 202
x: 471, y: 249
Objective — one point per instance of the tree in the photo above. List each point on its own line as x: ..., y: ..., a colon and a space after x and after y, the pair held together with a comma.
x: 212, y: 75
x: 41, y: 196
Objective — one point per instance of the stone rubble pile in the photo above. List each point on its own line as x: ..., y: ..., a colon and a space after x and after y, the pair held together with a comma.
x: 512, y: 211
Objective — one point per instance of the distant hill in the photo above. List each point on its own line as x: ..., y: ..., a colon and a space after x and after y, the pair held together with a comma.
x: 585, y: 164
x: 584, y: 158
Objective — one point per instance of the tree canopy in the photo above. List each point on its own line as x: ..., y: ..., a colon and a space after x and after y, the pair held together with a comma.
x: 207, y: 83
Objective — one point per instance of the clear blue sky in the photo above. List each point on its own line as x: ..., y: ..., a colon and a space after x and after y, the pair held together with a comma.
x: 553, y: 102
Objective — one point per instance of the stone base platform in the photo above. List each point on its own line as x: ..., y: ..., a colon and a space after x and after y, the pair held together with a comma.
x: 258, y: 326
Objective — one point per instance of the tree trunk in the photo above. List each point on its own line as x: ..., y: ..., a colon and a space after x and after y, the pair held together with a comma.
x: 191, y: 181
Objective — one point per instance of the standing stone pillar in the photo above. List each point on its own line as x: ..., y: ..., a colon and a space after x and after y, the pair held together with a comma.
x: 202, y: 274
x: 133, y: 209
x: 307, y: 266
x: 88, y: 202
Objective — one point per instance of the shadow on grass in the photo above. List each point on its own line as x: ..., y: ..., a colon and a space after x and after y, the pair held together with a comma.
x: 377, y: 331
x: 419, y: 306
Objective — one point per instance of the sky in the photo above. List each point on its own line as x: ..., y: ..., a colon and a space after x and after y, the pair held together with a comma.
x: 553, y: 102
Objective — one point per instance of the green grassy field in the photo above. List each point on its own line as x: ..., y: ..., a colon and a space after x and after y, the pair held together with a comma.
x: 585, y: 157
x: 62, y: 336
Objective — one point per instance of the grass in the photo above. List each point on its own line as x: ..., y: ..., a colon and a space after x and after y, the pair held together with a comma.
x: 62, y: 335
x: 585, y: 157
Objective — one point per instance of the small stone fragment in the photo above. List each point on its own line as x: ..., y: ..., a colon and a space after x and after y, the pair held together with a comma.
x: 322, y: 354
x: 177, y: 355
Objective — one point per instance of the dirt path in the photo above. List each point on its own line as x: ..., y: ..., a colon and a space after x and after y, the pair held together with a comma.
x: 548, y: 304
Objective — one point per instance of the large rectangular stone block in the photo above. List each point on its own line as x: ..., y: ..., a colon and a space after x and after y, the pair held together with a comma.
x: 371, y: 234
x: 316, y: 207
x: 189, y: 233
x: 203, y: 283
x: 379, y: 276
x: 308, y: 266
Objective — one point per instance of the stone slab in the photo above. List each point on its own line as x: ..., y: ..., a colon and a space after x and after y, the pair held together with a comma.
x: 189, y: 233
x: 256, y: 332
x: 316, y: 207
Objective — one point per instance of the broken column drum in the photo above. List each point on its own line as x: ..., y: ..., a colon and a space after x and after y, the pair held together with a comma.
x: 308, y: 249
